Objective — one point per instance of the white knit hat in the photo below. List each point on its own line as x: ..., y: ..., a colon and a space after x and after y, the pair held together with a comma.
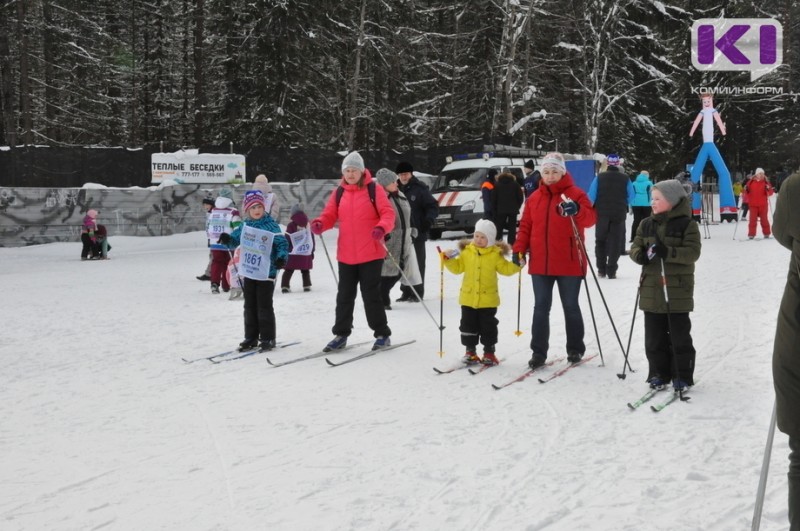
x: 759, y: 170
x: 353, y: 160
x: 487, y: 228
x: 554, y: 159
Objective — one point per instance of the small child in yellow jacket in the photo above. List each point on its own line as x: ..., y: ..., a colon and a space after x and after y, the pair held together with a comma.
x: 480, y: 259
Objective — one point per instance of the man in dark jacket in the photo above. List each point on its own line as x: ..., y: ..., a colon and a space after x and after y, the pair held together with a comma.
x: 611, y: 193
x: 785, y: 356
x: 532, y: 178
x: 424, y: 210
x: 507, y: 198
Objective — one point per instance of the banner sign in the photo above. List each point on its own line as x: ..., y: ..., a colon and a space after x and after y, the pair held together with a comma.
x: 193, y: 168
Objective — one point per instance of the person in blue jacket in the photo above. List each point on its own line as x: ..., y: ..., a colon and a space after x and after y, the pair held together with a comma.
x: 641, y: 200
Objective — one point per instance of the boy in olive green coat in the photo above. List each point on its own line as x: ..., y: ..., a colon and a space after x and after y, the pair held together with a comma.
x: 670, y: 237
x: 786, y: 356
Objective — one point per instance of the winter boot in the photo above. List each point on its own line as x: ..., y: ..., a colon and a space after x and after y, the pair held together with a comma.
x: 203, y: 277
x: 657, y: 383
x: 337, y: 343
x: 248, y: 344
x: 574, y: 357
x: 381, y: 341
x: 215, y: 289
x: 490, y: 359
x: 471, y: 358
x: 285, y: 289
x: 306, y: 288
x: 680, y: 385
x: 536, y: 361
x: 267, y: 345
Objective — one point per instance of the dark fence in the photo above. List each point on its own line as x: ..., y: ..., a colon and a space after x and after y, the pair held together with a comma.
x: 71, y: 167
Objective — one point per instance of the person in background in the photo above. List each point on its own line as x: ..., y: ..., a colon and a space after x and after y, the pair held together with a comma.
x: 101, y: 246
x: 507, y: 198
x: 208, y: 206
x: 270, y: 199
x: 88, y: 230
x: 547, y: 234
x: 737, y: 191
x: 785, y: 354
x: 487, y: 186
x: 301, y: 256
x: 399, y: 247
x: 259, y: 285
x: 481, y: 260
x: 640, y: 205
x: 223, y: 219
x: 611, y: 192
x: 745, y: 205
x: 360, y: 249
x: 758, y: 192
x: 670, y: 238
x: 532, y: 178
x: 424, y: 210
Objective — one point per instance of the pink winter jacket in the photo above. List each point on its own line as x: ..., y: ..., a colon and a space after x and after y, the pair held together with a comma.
x: 357, y: 217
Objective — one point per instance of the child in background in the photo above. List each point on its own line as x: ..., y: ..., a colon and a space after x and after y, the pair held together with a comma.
x: 480, y: 260
x: 234, y: 279
x: 208, y: 206
x: 88, y: 238
x: 223, y: 219
x: 101, y: 246
x: 259, y: 280
x: 301, y: 249
x: 672, y: 238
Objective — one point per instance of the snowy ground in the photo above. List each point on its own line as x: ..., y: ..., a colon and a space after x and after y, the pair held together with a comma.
x: 104, y: 427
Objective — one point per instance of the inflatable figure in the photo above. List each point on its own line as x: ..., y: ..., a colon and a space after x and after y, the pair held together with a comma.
x: 708, y: 115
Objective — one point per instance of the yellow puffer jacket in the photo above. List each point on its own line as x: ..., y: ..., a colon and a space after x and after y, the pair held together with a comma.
x: 480, y: 267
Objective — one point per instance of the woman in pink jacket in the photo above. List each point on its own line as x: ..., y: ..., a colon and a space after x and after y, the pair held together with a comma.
x: 364, y: 217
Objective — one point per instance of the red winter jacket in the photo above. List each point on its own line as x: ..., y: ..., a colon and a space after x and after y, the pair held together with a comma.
x: 757, y: 192
x: 548, y: 236
x: 357, y: 217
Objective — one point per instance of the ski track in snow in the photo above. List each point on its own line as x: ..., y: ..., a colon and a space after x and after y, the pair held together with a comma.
x: 104, y: 427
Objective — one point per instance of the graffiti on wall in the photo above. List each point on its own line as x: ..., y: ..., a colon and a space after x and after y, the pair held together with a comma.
x: 32, y: 216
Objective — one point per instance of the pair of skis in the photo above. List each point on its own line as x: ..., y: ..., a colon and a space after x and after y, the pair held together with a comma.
x: 649, y: 395
x: 323, y: 353
x: 229, y: 355
x: 475, y: 368
x: 560, y: 372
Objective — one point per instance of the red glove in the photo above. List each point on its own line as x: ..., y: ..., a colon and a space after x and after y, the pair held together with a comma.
x: 316, y: 227
x: 378, y: 233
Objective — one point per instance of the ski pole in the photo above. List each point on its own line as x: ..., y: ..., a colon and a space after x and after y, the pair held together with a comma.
x: 441, y: 302
x: 518, y: 332
x: 582, y: 249
x: 325, y: 247
x: 738, y: 215
x: 414, y: 291
x: 622, y: 375
x: 669, y: 327
x: 762, y: 481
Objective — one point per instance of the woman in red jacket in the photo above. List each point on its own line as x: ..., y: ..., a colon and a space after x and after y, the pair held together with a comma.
x: 546, y: 234
x: 758, y: 192
x: 364, y: 217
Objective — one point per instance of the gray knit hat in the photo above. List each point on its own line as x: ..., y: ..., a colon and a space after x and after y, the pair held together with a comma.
x: 353, y: 160
x: 672, y: 190
x: 385, y: 177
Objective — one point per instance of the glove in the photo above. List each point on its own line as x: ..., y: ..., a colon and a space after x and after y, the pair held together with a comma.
x: 316, y: 227
x: 450, y: 253
x: 378, y: 233
x: 280, y: 263
x: 568, y: 208
x: 224, y: 238
x: 414, y: 233
x: 515, y: 258
x: 657, y: 249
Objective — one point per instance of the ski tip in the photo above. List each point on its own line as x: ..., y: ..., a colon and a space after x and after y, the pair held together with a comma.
x: 497, y: 387
x: 631, y: 406
x: 332, y: 364
x: 655, y: 409
x: 542, y: 381
x: 270, y: 361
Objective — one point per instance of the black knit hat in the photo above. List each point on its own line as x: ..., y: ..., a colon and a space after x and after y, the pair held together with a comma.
x: 530, y: 165
x: 404, y: 167
x: 208, y: 201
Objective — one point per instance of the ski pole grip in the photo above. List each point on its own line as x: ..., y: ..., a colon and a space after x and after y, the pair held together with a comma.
x: 565, y: 198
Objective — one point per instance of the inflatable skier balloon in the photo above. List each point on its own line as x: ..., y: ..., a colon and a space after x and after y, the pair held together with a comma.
x: 708, y: 115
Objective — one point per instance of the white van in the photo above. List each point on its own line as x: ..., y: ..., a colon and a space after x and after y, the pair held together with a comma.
x: 457, y: 188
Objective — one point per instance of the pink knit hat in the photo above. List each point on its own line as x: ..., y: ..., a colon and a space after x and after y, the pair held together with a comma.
x: 92, y: 213
x: 252, y: 198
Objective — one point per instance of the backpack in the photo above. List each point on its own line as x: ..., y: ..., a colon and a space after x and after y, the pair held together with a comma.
x: 370, y: 190
x: 676, y: 227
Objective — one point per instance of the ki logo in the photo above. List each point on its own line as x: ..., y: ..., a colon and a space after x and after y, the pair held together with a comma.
x: 754, y: 45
